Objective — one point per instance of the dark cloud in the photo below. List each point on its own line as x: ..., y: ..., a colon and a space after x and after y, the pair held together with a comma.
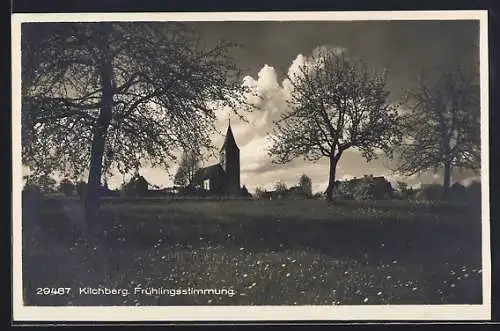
x: 405, y: 46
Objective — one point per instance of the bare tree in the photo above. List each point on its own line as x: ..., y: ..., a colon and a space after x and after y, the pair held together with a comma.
x: 259, y: 192
x: 280, y: 187
x: 305, y: 184
x: 336, y: 104
x: 118, y: 95
x: 442, y: 126
x: 67, y: 187
x: 189, y: 165
x: 43, y: 181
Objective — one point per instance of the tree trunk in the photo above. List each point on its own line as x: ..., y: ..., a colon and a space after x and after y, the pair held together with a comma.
x: 446, y: 181
x: 331, y: 179
x: 92, y: 199
x: 95, y: 172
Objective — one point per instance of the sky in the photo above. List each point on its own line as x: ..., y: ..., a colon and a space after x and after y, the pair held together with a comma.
x: 271, y: 49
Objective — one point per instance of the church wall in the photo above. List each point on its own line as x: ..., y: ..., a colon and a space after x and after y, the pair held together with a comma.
x: 217, y: 184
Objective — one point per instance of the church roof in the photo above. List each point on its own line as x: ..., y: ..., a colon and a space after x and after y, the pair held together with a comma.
x: 229, y: 140
x: 208, y: 172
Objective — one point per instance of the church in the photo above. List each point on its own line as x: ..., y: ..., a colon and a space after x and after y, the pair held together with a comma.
x: 222, y: 178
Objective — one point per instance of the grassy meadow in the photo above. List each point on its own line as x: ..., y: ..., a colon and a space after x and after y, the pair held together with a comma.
x: 287, y: 252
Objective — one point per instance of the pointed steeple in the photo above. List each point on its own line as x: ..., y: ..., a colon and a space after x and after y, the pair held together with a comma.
x: 229, y: 141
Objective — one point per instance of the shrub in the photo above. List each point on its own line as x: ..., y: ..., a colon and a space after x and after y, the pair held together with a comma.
x: 32, y: 190
x: 473, y: 192
x: 306, y: 185
x: 66, y: 187
x: 457, y: 192
x: 81, y: 189
x: 318, y: 196
x: 431, y: 192
x: 404, y: 192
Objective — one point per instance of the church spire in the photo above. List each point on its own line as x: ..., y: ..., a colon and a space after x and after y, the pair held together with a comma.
x: 229, y: 141
x: 230, y: 162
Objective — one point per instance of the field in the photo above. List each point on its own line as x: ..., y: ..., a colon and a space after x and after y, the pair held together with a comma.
x: 304, y: 252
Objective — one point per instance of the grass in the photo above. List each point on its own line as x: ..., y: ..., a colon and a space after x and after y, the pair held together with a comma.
x: 302, y: 252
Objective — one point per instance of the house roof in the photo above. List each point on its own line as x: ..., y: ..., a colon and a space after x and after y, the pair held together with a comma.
x: 229, y: 140
x: 296, y: 189
x: 377, y: 178
x: 208, y: 172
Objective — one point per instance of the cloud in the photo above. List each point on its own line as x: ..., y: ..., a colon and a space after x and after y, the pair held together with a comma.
x: 293, y: 71
x: 271, y: 98
x: 304, y: 63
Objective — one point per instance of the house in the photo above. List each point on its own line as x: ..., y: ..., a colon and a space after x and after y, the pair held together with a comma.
x: 271, y: 195
x: 296, y: 192
x: 164, y: 192
x: 137, y: 186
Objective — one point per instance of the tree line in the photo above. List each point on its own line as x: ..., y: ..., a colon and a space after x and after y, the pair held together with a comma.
x: 365, y: 188
x: 302, y: 189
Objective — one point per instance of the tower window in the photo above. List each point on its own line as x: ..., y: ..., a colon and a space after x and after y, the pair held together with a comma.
x: 222, y: 159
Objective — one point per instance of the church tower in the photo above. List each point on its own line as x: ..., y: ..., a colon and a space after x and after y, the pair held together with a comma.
x: 229, y: 159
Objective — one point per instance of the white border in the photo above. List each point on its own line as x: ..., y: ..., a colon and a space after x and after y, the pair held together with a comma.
x: 249, y: 313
